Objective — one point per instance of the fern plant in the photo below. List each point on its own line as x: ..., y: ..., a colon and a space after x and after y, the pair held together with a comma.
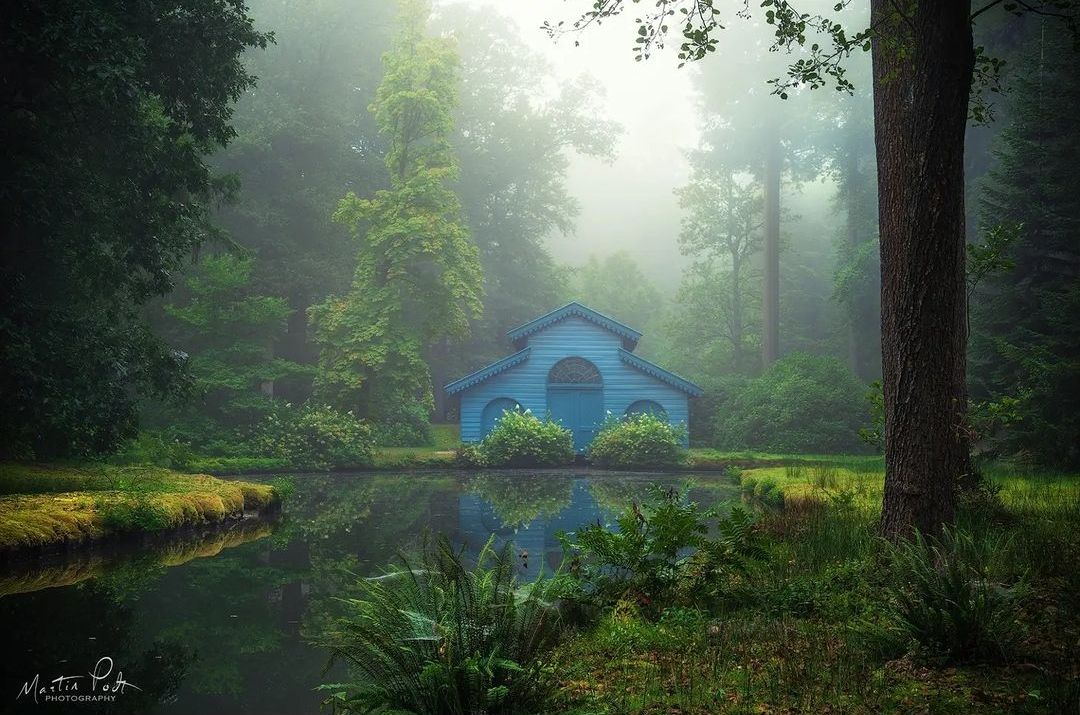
x: 946, y: 599
x: 661, y: 547
x: 437, y: 637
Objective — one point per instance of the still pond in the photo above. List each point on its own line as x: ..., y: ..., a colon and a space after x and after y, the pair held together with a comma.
x: 220, y: 622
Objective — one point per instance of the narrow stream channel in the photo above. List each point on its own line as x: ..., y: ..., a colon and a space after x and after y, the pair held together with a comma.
x: 220, y: 623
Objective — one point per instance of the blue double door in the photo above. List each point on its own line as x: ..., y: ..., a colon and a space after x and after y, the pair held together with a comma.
x: 579, y: 408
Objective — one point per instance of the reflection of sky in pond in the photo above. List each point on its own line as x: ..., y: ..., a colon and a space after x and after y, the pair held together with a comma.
x: 219, y: 623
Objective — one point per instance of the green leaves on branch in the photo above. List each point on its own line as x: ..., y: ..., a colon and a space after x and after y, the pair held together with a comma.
x: 418, y: 277
x: 111, y: 113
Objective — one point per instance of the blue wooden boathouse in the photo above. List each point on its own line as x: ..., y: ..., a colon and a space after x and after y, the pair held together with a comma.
x: 575, y: 365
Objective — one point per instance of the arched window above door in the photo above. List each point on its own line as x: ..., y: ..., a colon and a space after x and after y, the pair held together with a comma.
x: 574, y: 371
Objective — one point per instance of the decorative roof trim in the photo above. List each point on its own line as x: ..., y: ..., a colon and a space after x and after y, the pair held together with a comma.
x: 660, y: 373
x: 484, y: 373
x: 577, y: 309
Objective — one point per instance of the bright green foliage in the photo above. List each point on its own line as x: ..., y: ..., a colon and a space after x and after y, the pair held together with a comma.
x: 228, y: 335
x: 640, y: 441
x: 112, y: 109
x: 317, y: 437
x: 662, y: 554
x: 521, y: 439
x: 1025, y: 345
x: 944, y: 596
x: 762, y: 490
x: 802, y: 403
x: 417, y: 278
x: 433, y: 637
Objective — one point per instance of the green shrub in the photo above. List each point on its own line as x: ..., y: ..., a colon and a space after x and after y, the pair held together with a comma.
x: 945, y: 598
x: 769, y: 493
x: 469, y: 456
x: 318, y: 437
x: 132, y: 516
x: 638, y: 441
x: 151, y: 447
x: 802, y: 403
x: 435, y: 637
x: 762, y: 490
x: 662, y: 554
x: 406, y: 425
x: 521, y: 439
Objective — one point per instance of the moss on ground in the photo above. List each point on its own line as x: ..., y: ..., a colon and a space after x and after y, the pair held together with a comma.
x: 57, y: 505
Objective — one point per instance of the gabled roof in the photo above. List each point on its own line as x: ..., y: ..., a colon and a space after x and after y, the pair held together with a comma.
x: 660, y: 373
x: 629, y: 335
x: 485, y: 372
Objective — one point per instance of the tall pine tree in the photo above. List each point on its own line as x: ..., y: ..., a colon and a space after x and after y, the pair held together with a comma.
x: 1026, y: 340
x: 418, y: 277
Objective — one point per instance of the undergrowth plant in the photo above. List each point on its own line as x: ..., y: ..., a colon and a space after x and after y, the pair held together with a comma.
x: 432, y: 636
x: 663, y: 552
x: 945, y: 596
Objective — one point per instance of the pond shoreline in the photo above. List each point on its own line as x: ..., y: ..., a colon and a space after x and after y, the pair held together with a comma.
x: 425, y: 466
x: 57, y: 509
x: 133, y: 541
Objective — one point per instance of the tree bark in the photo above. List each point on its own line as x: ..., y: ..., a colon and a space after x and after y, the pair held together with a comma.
x: 770, y: 303
x: 923, y: 64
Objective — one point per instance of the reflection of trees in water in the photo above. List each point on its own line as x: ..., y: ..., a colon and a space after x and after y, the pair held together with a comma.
x: 353, y: 526
x: 616, y: 492
x: 227, y: 610
x: 129, y: 568
x: 66, y: 631
x: 519, y: 499
x: 248, y: 613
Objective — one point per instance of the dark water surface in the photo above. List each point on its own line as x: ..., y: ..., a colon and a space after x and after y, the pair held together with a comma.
x: 219, y: 622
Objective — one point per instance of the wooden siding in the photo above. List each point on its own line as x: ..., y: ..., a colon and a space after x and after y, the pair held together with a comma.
x: 527, y: 383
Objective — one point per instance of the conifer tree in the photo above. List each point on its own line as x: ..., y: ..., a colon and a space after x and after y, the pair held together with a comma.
x: 1025, y: 350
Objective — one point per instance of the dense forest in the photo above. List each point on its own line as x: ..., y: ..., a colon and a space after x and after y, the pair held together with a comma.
x: 261, y: 240
x: 307, y: 232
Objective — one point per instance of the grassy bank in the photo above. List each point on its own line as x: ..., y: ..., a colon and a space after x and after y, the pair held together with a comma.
x: 46, y: 506
x: 812, y: 628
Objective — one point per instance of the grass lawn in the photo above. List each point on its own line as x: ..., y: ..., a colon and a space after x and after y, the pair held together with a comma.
x: 806, y: 631
x: 440, y: 454
x: 55, y: 505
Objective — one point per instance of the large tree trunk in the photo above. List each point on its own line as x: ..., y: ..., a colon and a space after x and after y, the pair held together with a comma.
x: 922, y: 76
x: 770, y: 303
